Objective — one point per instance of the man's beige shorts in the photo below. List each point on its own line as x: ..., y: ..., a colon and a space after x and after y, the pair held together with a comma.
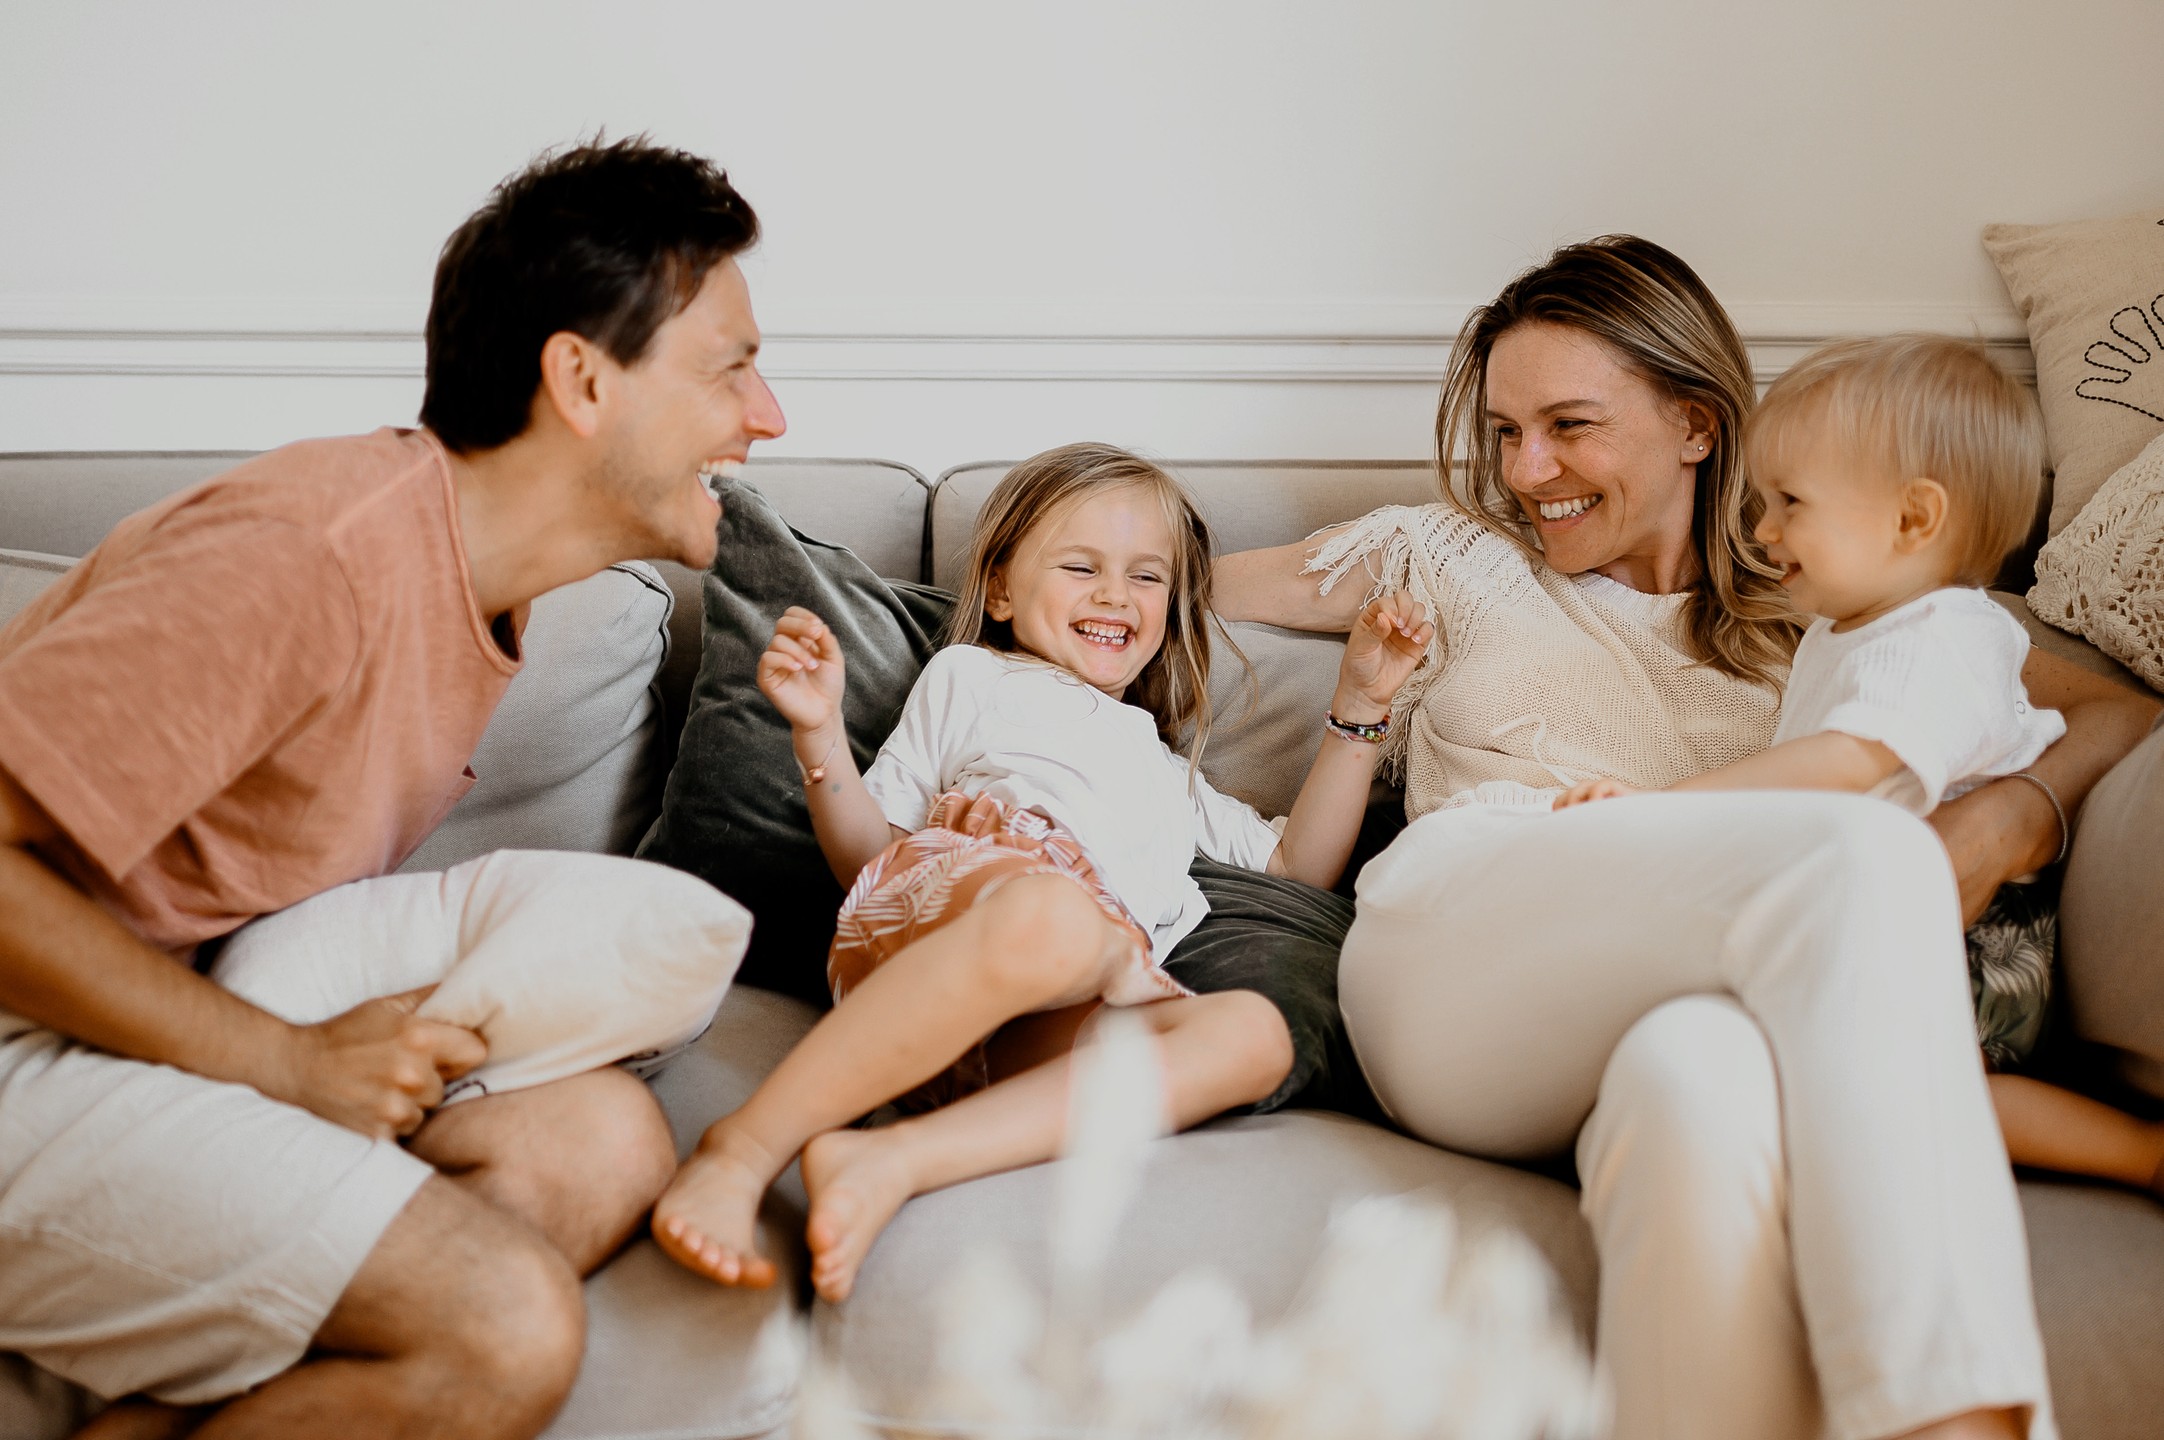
x: 164, y: 1233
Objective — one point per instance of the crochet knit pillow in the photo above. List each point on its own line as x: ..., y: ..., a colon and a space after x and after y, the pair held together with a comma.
x: 2102, y: 577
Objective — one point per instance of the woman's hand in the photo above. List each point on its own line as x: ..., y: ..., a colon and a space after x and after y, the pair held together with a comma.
x: 1585, y: 790
x: 801, y: 672
x: 1387, y: 641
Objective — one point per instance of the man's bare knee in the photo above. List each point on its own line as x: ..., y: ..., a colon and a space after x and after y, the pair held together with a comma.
x: 581, y: 1159
x: 475, y: 1314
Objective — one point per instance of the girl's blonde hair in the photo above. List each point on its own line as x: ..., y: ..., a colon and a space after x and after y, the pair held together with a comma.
x: 1913, y: 406
x: 1174, y: 687
x: 1658, y: 319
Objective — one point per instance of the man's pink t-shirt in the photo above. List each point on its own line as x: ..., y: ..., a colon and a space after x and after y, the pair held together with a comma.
x: 262, y: 687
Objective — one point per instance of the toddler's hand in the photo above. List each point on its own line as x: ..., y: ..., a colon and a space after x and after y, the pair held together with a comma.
x: 1387, y: 641
x: 1586, y: 790
x: 801, y: 671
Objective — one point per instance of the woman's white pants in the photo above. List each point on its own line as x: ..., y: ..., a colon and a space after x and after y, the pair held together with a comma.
x: 1752, y: 1013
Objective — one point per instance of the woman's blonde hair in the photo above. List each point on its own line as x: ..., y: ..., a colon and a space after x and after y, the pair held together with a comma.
x: 1174, y: 687
x: 1913, y: 406
x: 1658, y: 319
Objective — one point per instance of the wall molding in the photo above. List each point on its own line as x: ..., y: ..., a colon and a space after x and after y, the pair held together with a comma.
x: 1361, y: 342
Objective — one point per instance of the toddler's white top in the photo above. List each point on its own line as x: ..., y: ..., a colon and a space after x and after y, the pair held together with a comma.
x: 1033, y: 736
x: 1938, y: 682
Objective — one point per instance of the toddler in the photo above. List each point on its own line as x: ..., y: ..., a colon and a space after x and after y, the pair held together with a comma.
x: 1897, y: 474
x: 1016, y: 856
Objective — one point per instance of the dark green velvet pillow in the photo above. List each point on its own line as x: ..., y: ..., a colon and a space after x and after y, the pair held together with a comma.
x: 733, y: 812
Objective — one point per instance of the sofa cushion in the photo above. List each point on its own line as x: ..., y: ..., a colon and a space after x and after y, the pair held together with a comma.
x: 2111, y: 915
x: 733, y: 810
x: 2092, y: 295
x: 573, y: 758
x: 667, y: 1353
x: 2096, y: 1258
x: 1248, y: 1199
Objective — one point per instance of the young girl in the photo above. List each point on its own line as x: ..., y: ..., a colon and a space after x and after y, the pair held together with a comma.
x: 1897, y: 474
x: 1017, y: 855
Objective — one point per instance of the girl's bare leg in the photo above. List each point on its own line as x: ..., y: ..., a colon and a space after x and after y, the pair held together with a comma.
x: 2054, y: 1129
x: 1219, y: 1050
x: 1036, y: 943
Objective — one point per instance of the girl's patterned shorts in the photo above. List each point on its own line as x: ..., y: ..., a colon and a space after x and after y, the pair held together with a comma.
x: 968, y: 849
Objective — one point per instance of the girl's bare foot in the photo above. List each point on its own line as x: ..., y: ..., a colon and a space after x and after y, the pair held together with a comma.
x: 856, y: 1179
x: 707, y: 1220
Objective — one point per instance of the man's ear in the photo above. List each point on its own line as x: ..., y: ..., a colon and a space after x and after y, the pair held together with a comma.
x: 997, y: 604
x: 1923, y: 514
x: 573, y: 382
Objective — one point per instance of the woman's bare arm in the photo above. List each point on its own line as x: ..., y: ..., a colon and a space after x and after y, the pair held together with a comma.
x: 2007, y: 828
x: 1269, y: 586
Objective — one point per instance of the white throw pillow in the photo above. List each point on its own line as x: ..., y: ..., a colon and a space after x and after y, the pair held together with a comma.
x: 562, y: 962
x: 2103, y: 575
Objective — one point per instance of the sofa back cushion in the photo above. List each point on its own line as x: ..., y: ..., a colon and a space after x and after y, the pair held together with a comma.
x: 23, y: 574
x: 733, y: 812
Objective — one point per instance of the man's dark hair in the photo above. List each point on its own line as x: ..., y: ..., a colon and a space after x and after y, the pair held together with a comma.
x: 605, y: 240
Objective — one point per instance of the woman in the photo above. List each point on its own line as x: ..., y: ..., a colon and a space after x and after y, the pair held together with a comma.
x: 1716, y: 1011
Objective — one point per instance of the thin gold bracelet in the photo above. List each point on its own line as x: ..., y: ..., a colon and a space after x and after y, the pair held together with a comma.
x: 2066, y: 831
x: 817, y: 773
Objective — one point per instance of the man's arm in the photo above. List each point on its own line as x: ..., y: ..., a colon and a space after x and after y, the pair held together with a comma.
x: 2008, y: 828
x: 66, y: 964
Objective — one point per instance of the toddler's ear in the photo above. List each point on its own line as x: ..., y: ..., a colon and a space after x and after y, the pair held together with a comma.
x: 1924, y: 514
x: 996, y: 602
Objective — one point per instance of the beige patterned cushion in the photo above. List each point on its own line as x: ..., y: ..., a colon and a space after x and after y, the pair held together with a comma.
x: 2092, y: 296
x: 2103, y: 575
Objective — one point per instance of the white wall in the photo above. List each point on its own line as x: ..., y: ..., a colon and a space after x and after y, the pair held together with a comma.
x: 1196, y: 226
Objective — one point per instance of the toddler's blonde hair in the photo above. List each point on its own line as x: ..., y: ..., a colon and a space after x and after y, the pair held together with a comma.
x: 1917, y: 406
x: 1174, y: 687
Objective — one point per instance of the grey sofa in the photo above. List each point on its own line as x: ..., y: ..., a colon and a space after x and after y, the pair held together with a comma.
x: 574, y: 760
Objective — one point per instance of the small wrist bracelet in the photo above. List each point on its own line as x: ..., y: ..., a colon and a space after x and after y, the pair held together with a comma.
x: 2066, y: 832
x: 1348, y: 730
x: 818, y: 773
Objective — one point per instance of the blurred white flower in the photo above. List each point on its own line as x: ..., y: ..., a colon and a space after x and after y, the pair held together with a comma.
x: 826, y: 1406
x: 991, y: 1333
x: 1405, y: 1329
x: 1116, y: 1108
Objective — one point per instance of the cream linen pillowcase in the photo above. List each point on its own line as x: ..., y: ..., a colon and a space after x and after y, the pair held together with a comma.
x: 562, y: 962
x: 2092, y: 295
x: 2102, y: 577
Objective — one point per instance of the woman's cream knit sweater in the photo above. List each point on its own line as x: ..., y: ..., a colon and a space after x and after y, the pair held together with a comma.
x: 1537, y: 679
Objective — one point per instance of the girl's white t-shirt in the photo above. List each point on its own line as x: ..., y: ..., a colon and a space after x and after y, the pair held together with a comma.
x: 1035, y: 737
x: 1938, y: 682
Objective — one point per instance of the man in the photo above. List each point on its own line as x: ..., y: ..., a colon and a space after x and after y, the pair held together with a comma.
x: 271, y: 685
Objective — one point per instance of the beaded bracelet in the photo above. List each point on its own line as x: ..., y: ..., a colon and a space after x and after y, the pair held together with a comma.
x: 2066, y: 832
x: 1348, y: 730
